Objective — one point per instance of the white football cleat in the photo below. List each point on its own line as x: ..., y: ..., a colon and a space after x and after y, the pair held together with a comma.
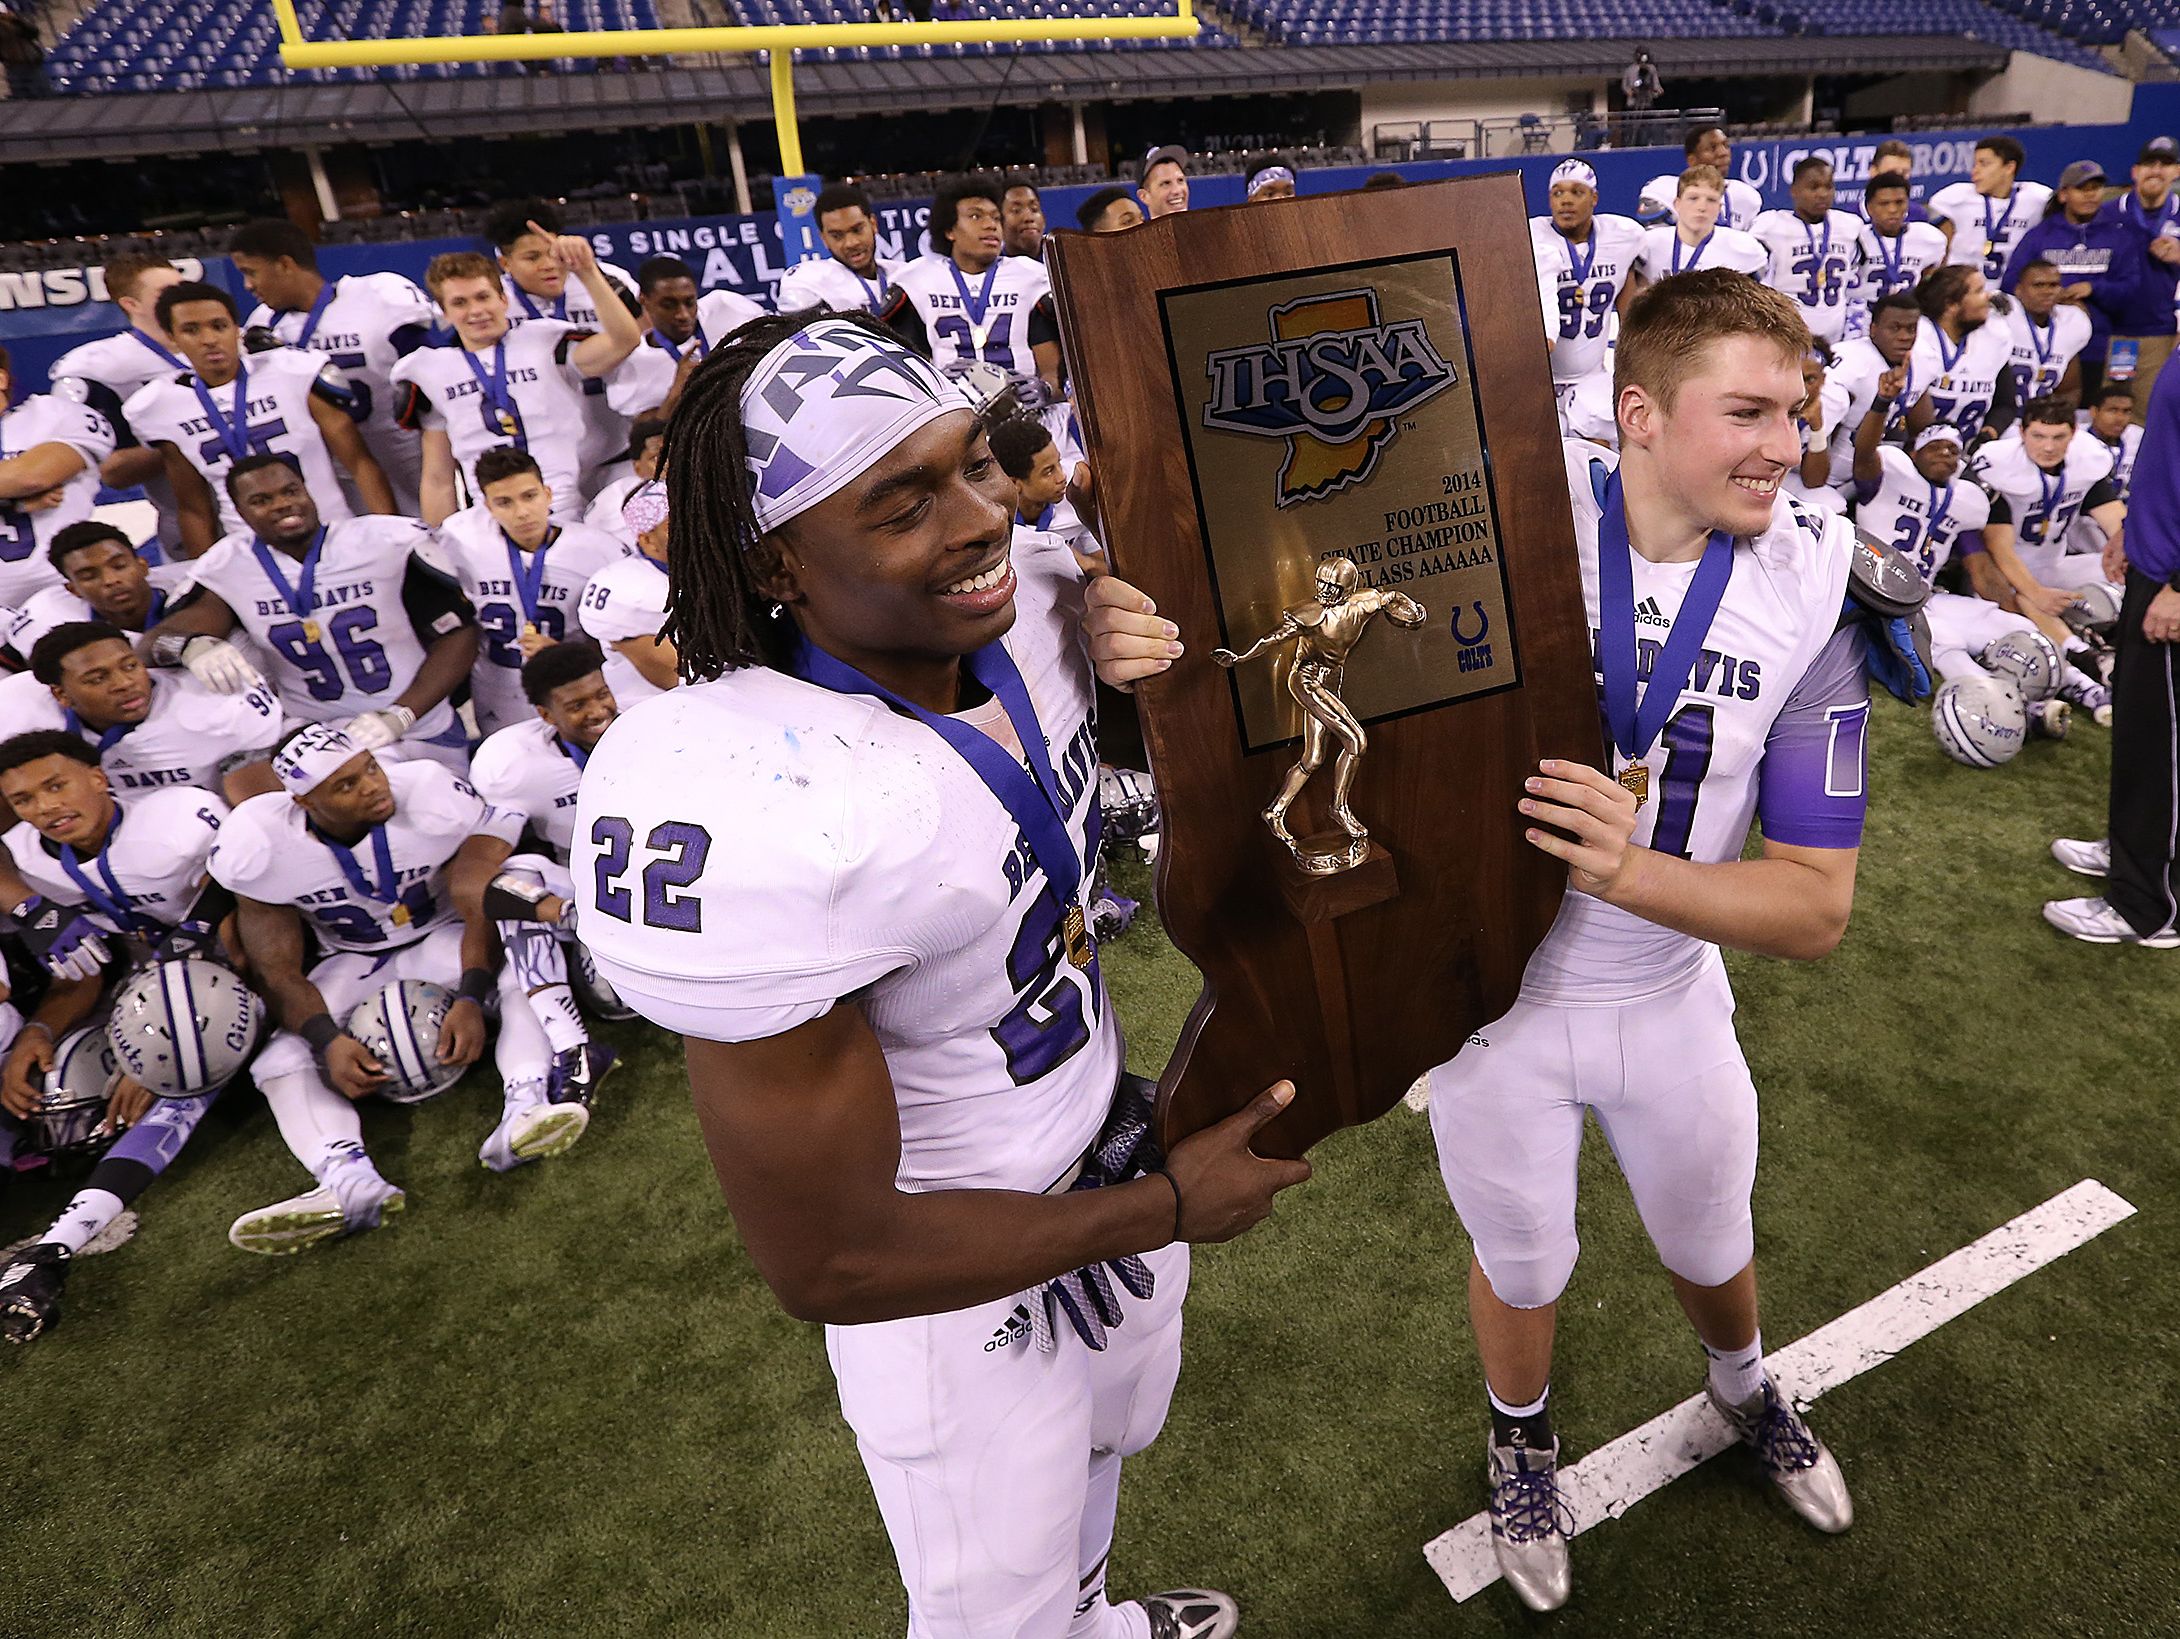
x: 2084, y: 858
x: 353, y: 1198
x: 533, y: 1132
x: 2095, y: 922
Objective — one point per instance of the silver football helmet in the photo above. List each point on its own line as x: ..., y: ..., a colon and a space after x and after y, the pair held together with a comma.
x: 2025, y: 658
x: 400, y: 1026
x: 185, y: 1027
x: 72, y: 1101
x: 2095, y: 608
x: 1129, y: 803
x: 1980, y: 721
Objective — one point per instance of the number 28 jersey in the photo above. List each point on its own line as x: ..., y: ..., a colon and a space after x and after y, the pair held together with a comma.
x: 752, y: 850
x: 1770, y: 727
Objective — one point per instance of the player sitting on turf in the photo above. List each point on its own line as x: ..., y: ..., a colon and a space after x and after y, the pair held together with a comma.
x: 1753, y: 706
x: 389, y: 865
x: 148, y: 727
x: 85, y: 878
x: 522, y: 573
x: 624, y: 606
x: 532, y: 769
x: 354, y: 624
x: 1024, y: 448
x: 847, y: 861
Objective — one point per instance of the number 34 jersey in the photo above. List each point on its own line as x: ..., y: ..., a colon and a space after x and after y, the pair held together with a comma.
x: 1770, y: 726
x: 752, y: 850
x: 366, y: 648
x: 390, y: 889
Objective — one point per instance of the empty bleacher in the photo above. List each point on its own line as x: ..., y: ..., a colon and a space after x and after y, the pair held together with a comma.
x: 1340, y: 22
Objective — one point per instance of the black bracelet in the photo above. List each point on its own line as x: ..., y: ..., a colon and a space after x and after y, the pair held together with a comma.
x: 320, y: 1030
x: 1176, y: 1188
x: 476, y: 984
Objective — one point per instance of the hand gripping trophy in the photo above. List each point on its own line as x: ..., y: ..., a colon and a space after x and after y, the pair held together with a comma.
x: 1325, y: 634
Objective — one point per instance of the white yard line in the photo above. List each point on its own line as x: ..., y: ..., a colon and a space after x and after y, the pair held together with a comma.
x: 1612, y: 1479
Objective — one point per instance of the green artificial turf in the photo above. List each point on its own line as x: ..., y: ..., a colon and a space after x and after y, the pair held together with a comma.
x: 560, y: 1401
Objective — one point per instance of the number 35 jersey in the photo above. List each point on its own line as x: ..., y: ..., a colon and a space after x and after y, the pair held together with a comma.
x: 752, y: 850
x: 367, y: 593
x: 1770, y: 726
x: 390, y: 889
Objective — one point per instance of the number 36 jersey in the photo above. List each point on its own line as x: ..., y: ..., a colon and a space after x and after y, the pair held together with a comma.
x: 752, y: 850
x: 1770, y: 727
x: 367, y: 593
x: 378, y: 899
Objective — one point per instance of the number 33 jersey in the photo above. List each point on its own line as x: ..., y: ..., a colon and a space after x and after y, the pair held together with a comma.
x: 1770, y: 727
x: 391, y: 888
x: 752, y: 850
x: 366, y: 648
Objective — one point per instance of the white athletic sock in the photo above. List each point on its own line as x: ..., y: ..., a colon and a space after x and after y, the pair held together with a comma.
x: 81, y: 1220
x: 1738, y: 1374
x: 1532, y: 1409
x: 1096, y: 1617
x: 319, y: 1125
x: 556, y: 1011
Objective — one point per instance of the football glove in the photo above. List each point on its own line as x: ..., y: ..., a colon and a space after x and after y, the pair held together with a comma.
x: 65, y: 942
x: 373, y: 729
x: 218, y: 665
x: 1898, y: 655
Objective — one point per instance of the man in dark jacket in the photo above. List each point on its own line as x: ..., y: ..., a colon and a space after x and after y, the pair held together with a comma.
x: 2145, y: 327
x: 2100, y: 258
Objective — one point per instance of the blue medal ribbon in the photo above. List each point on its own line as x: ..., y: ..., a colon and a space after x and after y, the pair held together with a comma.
x: 234, y: 436
x: 1992, y: 252
x: 1892, y: 258
x: 1818, y: 274
x: 2042, y: 347
x: 696, y: 340
x: 107, y: 740
x: 493, y: 384
x: 316, y: 313
x: 1635, y: 728
x: 104, y: 894
x: 1695, y: 259
x: 381, y: 883
x: 1031, y: 796
x: 2050, y: 487
x: 875, y: 294
x: 975, y: 307
x: 301, y: 594
x: 1580, y: 265
x: 575, y: 753
x: 532, y: 310
x: 528, y: 570
x: 166, y: 353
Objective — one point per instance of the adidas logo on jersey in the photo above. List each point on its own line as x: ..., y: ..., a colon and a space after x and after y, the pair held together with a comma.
x: 1647, y: 613
x: 1010, y: 1331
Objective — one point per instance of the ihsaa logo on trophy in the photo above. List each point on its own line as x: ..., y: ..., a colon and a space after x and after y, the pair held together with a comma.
x: 1333, y: 382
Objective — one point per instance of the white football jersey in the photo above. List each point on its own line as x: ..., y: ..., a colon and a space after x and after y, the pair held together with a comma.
x: 387, y: 891
x: 1852, y: 376
x: 366, y: 322
x: 1581, y: 284
x: 987, y: 316
x: 1742, y: 207
x: 275, y: 389
x: 104, y: 375
x: 25, y: 535
x: 152, y: 867
x: 751, y: 850
x: 487, y: 564
x: 191, y: 731
x: 1771, y: 727
x: 1962, y: 380
x: 548, y: 395
x: 1662, y: 254
x: 605, y: 430
x: 829, y: 282
x: 572, y: 306
x: 1910, y: 514
x: 365, y: 651
x: 1985, y: 230
x: 1813, y: 264
x: 528, y: 770
x: 1897, y: 261
x: 2123, y: 454
x: 2041, y: 352
x: 2040, y: 505
x: 57, y: 606
x: 642, y: 380
x: 623, y: 600
x: 604, y: 512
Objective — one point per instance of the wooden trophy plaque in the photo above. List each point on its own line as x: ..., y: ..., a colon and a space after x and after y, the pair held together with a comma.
x: 1327, y: 423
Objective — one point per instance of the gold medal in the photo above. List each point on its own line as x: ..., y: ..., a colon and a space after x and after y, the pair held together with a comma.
x: 401, y: 916
x: 310, y: 631
x: 1076, y: 931
x: 1636, y: 777
x: 507, y: 422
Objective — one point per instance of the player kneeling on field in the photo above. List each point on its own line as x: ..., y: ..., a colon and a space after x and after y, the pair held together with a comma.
x: 94, y: 886
x: 387, y: 866
x: 531, y: 770
x: 848, y: 861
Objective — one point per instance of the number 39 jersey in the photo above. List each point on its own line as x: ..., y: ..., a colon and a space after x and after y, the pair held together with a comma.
x: 366, y: 649
x: 750, y: 851
x: 1582, y: 293
x: 1770, y: 726
x: 270, y: 852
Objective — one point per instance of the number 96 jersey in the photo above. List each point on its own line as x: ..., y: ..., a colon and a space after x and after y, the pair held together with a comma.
x: 365, y: 648
x: 1769, y: 726
x: 752, y: 850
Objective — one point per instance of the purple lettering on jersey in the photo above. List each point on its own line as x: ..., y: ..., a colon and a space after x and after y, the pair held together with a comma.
x: 1812, y: 789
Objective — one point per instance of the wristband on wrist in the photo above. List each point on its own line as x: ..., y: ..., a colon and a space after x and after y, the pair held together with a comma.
x: 1176, y: 1188
x: 476, y: 984
x: 321, y: 1031
x: 40, y: 1024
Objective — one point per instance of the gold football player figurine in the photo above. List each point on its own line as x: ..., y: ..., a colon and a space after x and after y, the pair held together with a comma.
x: 1325, y: 634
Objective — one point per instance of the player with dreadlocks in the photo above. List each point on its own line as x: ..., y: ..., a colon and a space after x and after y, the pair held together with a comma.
x: 847, y: 861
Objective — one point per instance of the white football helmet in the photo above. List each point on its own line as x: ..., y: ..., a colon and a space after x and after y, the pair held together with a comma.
x: 72, y: 1101
x: 183, y: 1028
x: 400, y: 1025
x: 1128, y: 801
x: 1980, y: 721
x: 2027, y: 659
x: 2095, y: 608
